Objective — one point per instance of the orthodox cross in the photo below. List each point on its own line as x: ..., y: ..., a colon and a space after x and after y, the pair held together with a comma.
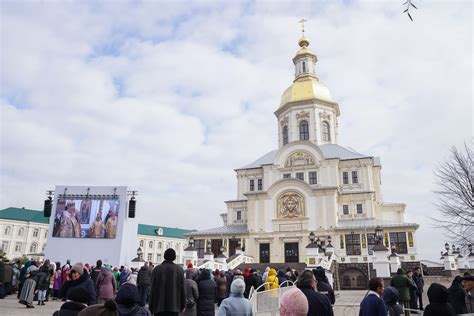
x: 302, y: 25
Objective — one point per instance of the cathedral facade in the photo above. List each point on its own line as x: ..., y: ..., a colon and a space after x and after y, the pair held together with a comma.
x: 309, y: 185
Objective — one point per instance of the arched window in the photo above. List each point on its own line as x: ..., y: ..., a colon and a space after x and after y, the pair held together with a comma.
x: 142, y: 243
x: 150, y: 244
x: 21, y: 231
x: 160, y: 245
x: 304, y: 130
x: 325, y: 131
x: 33, y: 248
x: 360, y: 280
x: 346, y: 280
x: 285, y: 135
x: 304, y: 66
x: 7, y: 230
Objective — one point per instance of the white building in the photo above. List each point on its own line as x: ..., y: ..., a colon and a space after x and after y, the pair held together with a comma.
x: 310, y: 184
x: 24, y: 232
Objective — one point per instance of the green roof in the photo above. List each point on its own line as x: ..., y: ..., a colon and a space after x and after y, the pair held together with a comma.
x: 24, y: 215
x: 151, y: 230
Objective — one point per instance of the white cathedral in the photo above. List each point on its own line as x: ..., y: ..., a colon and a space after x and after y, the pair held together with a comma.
x: 310, y: 184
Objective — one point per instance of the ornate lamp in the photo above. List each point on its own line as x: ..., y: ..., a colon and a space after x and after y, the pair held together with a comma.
x: 318, y: 242
x: 140, y: 253
x: 442, y: 254
x: 191, y: 242
x: 311, y: 237
x: 469, y: 247
x: 446, y: 246
x: 379, y: 234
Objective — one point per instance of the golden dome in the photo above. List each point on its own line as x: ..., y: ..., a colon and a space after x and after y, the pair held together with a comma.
x: 305, y: 89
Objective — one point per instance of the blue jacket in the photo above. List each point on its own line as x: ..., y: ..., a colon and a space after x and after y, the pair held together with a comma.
x: 235, y: 304
x: 372, y: 305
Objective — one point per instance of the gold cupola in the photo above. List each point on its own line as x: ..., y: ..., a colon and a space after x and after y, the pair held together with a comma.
x: 306, y: 85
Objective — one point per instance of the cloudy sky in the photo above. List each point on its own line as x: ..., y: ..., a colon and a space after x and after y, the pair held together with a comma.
x: 169, y: 97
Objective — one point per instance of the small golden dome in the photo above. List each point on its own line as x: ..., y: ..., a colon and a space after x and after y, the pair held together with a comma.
x: 303, y: 42
x: 305, y: 89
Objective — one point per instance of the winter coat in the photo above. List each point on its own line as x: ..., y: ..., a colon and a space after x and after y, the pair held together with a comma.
x: 438, y: 306
x: 402, y: 284
x: 8, y: 274
x: 85, y: 282
x: 372, y: 305
x: 390, y: 298
x: 95, y: 273
x: 105, y: 285
x: 252, y: 281
x: 57, y: 280
x: 281, y: 278
x: 167, y: 293
x: 192, y: 293
x: 456, y: 296
x: 272, y: 278
x: 144, y: 276
x: 235, y: 304
x: 207, y: 295
x: 318, y: 304
x: 43, y: 281
x: 132, y: 310
x: 419, y: 281
x: 23, y: 271
x: 124, y: 275
x: 70, y: 309
x: 221, y: 291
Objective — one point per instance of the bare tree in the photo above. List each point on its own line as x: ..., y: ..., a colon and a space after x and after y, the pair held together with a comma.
x: 455, y: 182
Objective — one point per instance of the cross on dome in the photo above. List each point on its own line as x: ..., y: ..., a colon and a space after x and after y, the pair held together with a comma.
x: 303, y: 42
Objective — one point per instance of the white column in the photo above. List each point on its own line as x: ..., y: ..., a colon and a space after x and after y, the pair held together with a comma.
x: 381, y: 264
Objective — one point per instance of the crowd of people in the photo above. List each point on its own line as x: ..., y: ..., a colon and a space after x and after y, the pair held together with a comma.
x: 168, y: 289
x: 404, y: 296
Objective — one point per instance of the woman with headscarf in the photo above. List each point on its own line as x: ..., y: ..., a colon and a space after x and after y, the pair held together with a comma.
x: 21, y: 279
x: 390, y: 297
x: 52, y: 271
x: 57, y: 281
x: 207, y: 294
x: 105, y: 285
x: 438, y: 306
x: 29, y: 287
x: 192, y: 294
x: 221, y: 284
x: 457, y: 296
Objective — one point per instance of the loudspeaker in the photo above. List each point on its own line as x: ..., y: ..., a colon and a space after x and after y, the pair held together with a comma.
x: 48, y: 206
x: 131, y: 207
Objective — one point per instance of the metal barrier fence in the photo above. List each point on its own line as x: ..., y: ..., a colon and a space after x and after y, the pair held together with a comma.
x: 267, y: 303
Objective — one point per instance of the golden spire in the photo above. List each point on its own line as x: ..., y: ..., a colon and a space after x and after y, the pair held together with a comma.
x: 303, y: 42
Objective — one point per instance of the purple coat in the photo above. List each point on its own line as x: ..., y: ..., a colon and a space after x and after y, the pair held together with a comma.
x: 105, y: 285
x: 57, y: 280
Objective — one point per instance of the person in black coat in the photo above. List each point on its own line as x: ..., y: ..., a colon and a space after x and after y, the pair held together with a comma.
x: 456, y: 296
x: 251, y: 280
x: 167, y: 291
x: 420, y: 283
x: 78, y: 298
x: 143, y: 283
x: 438, y: 306
x: 318, y: 304
x: 79, y: 278
x: 207, y: 294
x: 323, y: 286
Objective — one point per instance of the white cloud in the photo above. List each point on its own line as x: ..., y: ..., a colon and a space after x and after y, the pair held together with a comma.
x: 169, y: 98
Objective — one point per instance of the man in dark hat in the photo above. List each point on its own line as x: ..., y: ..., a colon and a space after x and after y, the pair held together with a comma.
x: 167, y: 293
x: 468, y: 284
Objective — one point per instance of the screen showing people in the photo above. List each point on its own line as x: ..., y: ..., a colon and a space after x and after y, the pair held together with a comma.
x: 86, y: 218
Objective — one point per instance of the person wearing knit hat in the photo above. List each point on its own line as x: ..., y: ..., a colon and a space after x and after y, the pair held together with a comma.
x: 77, y: 301
x: 293, y: 303
x: 79, y: 277
x: 127, y: 300
x: 167, y: 291
x: 236, y: 303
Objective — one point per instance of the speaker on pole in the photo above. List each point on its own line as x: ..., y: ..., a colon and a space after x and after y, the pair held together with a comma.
x: 131, y: 207
x: 48, y: 206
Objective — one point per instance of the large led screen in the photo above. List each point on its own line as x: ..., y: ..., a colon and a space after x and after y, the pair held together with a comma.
x: 86, y: 218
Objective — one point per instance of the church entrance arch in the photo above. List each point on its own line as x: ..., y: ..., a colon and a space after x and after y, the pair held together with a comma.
x: 353, y: 279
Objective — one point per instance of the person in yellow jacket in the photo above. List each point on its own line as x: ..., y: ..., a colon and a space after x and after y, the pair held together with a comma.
x: 272, y: 280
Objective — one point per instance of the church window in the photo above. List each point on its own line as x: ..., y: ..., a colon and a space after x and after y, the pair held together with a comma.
x: 361, y: 280
x: 158, y: 257
x: 45, y: 234
x: 285, y: 135
x: 345, y: 177
x: 35, y: 232
x: 400, y: 242
x: 7, y: 230
x: 252, y: 185
x: 150, y: 257
x: 150, y: 244
x: 300, y: 176
x: 33, y: 248
x: 313, y: 177
x: 353, y: 245
x: 304, y: 66
x: 21, y: 231
x: 345, y: 209
x: 160, y: 245
x: 359, y: 209
x: 286, y: 175
x: 355, y: 177
x: 304, y: 130
x: 346, y: 280
x: 325, y: 131
x: 371, y: 242
x: 239, y: 215
x: 5, y: 246
x: 142, y: 243
x: 199, y: 245
x: 260, y: 184
x: 18, y: 247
